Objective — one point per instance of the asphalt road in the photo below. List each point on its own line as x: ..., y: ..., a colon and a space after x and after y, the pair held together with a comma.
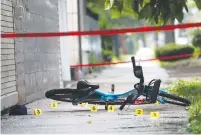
x: 76, y: 119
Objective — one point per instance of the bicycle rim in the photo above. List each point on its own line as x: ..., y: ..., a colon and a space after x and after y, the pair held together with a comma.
x: 175, y: 103
x: 176, y: 98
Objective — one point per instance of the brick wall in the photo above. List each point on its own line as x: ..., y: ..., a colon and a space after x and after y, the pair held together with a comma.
x: 9, y: 95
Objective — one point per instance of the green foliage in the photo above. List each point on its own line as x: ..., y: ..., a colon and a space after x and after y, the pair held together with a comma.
x: 158, y: 12
x: 107, y: 48
x: 195, y: 118
x: 197, y: 52
x: 120, y: 59
x: 107, y: 52
x: 107, y: 42
x: 107, y: 55
x: 197, y: 38
x: 187, y: 89
x: 190, y: 90
x: 196, y: 31
x: 94, y: 60
x: 198, y: 3
x: 105, y: 19
x: 173, y: 50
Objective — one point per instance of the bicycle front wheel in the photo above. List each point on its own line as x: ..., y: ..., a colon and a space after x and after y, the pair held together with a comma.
x: 65, y: 95
x: 182, y: 101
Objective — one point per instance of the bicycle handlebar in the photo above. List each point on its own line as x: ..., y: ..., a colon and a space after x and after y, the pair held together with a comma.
x: 133, y: 61
x: 131, y: 98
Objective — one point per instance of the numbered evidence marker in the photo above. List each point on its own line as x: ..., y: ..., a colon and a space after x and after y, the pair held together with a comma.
x: 37, y: 112
x: 154, y: 114
x: 94, y: 108
x: 111, y: 108
x: 54, y: 105
x: 139, y: 112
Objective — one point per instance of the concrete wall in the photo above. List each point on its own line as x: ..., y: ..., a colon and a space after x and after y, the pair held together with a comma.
x: 37, y: 59
x: 36, y: 65
x: 9, y: 94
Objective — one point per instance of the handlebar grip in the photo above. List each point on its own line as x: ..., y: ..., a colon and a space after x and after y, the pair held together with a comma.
x: 123, y: 105
x: 133, y: 61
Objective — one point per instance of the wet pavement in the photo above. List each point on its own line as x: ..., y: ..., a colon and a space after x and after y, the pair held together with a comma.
x: 76, y: 119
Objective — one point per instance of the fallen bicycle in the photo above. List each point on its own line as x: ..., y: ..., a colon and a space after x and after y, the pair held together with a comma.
x: 86, y: 92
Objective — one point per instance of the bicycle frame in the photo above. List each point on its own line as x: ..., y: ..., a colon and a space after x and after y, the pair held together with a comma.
x: 91, y: 94
x: 109, y: 97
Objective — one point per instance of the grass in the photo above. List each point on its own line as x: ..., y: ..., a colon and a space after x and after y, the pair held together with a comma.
x: 121, y: 58
x: 191, y: 90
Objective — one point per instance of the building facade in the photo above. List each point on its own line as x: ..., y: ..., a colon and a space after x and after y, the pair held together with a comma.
x: 82, y: 46
x: 30, y: 66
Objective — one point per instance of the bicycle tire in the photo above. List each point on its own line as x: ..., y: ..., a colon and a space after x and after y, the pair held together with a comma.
x: 176, y: 98
x: 67, y: 95
x: 175, y: 103
x: 60, y: 94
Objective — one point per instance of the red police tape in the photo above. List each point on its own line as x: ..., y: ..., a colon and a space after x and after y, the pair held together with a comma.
x: 102, y: 32
x: 108, y: 32
x: 151, y: 59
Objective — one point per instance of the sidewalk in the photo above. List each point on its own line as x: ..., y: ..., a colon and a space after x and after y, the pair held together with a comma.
x: 68, y: 118
x: 123, y: 73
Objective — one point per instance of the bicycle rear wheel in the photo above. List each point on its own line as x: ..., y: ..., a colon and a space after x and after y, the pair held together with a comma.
x: 176, y: 98
x: 65, y: 95
x: 175, y: 103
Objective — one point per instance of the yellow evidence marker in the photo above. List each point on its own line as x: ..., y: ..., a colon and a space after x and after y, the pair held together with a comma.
x: 111, y: 108
x: 54, y: 105
x: 139, y: 112
x: 84, y: 104
x: 94, y: 108
x: 37, y: 112
x: 157, y: 103
x: 154, y: 114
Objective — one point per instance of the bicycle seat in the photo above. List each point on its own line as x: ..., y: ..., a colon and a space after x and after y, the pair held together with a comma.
x: 83, y: 84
